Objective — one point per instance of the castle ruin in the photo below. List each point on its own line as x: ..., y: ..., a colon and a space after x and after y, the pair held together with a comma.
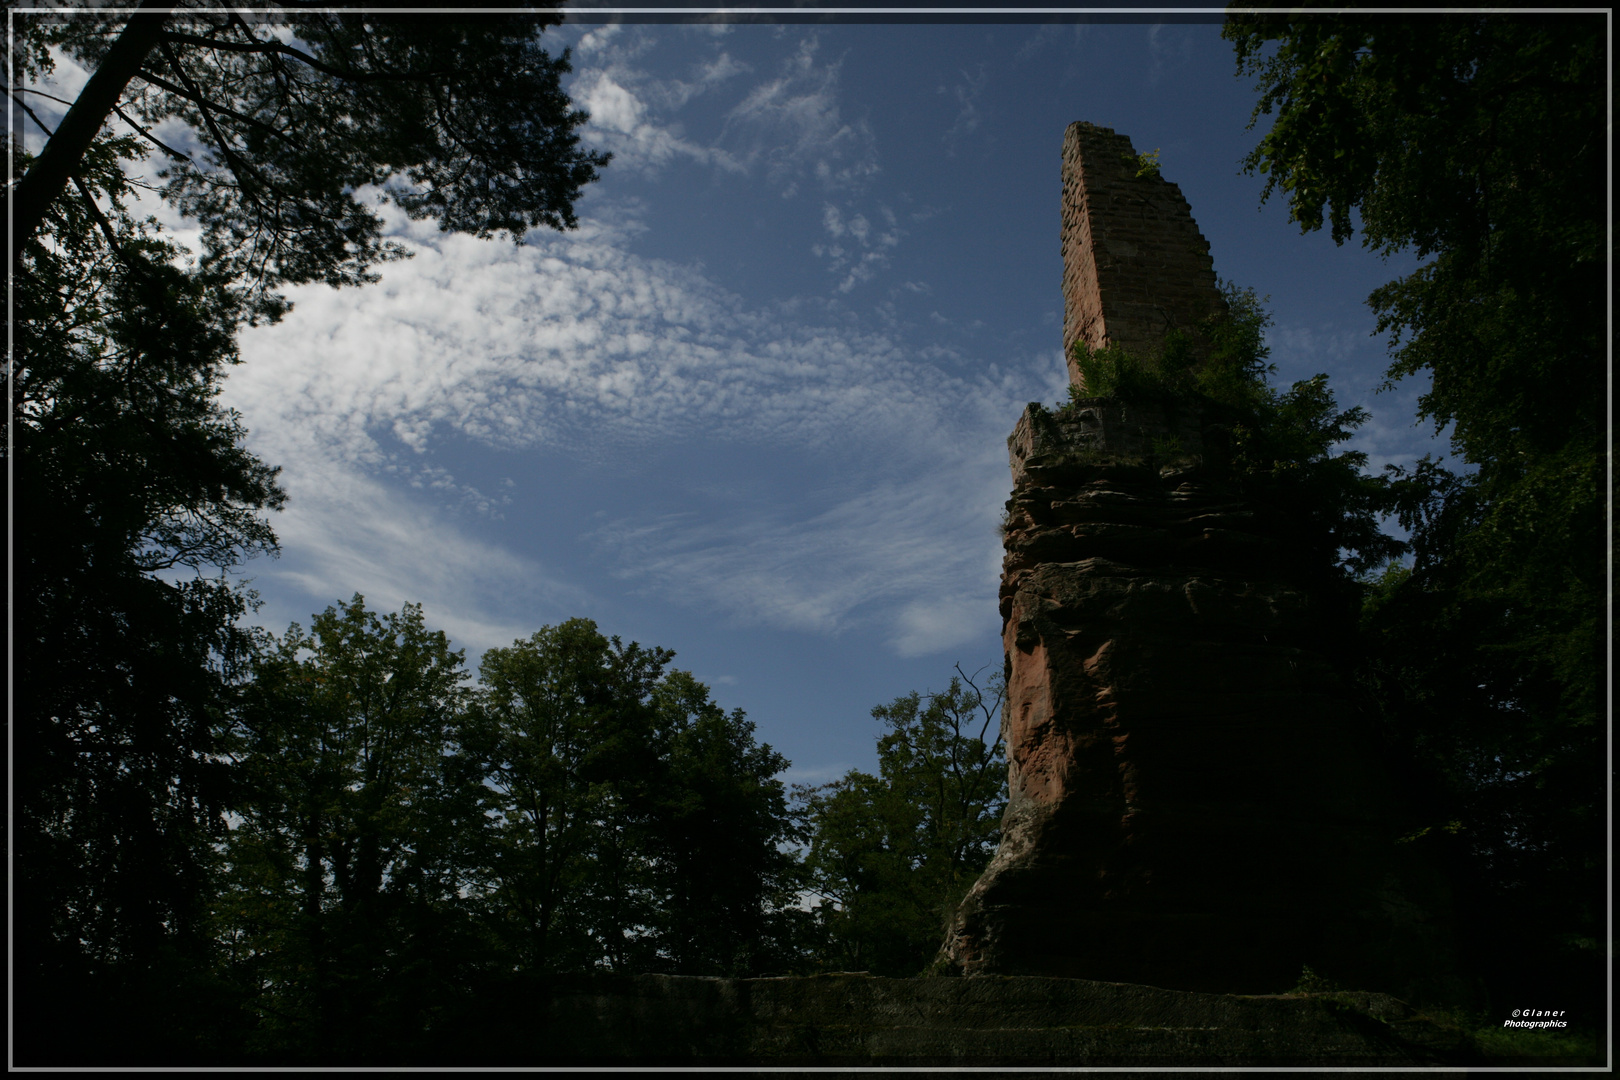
x: 1194, y: 801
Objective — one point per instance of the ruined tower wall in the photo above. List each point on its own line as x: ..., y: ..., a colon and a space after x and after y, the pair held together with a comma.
x: 1194, y: 802
x: 1134, y: 263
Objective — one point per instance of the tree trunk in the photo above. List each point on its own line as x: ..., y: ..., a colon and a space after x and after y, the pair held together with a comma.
x: 48, y: 177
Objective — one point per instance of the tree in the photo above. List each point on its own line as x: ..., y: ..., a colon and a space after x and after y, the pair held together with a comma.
x: 728, y: 888
x: 634, y: 826
x: 1478, y: 143
x: 1276, y: 448
x: 891, y: 855
x: 565, y: 730
x: 461, y: 121
x: 352, y: 852
x: 412, y: 855
x: 127, y: 472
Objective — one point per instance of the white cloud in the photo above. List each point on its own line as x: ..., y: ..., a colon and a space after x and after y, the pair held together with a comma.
x: 540, y: 344
x: 1297, y: 347
x: 815, y: 777
x: 793, y: 124
x: 968, y: 116
x: 621, y: 123
x: 597, y: 40
x: 907, y: 548
x: 858, y: 562
x: 1050, y: 34
x: 344, y: 532
x: 788, y: 126
x: 1354, y: 361
x: 1170, y: 46
x: 572, y: 345
x: 631, y: 111
x: 62, y: 84
x: 874, y: 246
x: 707, y: 75
x: 926, y: 627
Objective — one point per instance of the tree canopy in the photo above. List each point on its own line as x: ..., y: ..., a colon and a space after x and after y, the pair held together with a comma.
x: 1479, y: 143
x: 131, y: 483
x: 126, y: 475
x: 289, y: 121
x: 414, y: 848
x: 634, y: 825
x: 891, y: 855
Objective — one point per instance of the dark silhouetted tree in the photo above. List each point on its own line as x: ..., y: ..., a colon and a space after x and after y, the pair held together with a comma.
x: 1478, y: 142
x: 634, y: 825
x: 130, y: 482
x: 891, y: 855
x: 354, y: 847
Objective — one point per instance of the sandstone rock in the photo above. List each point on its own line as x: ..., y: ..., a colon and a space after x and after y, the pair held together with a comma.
x: 1194, y: 804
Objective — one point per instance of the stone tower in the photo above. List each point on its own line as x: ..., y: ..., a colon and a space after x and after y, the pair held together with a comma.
x: 1193, y: 801
x: 1134, y: 262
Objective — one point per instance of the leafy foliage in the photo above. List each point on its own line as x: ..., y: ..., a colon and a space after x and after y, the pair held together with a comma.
x: 131, y: 482
x: 635, y: 826
x: 123, y: 465
x: 1146, y: 164
x: 1276, y: 447
x: 891, y: 855
x: 464, y: 122
x: 1478, y: 142
x: 727, y: 883
x: 413, y: 847
x: 1222, y: 360
x: 353, y: 830
x: 565, y: 731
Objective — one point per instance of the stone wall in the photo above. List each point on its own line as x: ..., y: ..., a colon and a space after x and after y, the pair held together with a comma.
x: 853, y: 1020
x: 1134, y: 262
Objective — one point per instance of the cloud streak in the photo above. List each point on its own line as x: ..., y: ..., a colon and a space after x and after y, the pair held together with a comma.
x: 793, y: 125
x: 573, y: 346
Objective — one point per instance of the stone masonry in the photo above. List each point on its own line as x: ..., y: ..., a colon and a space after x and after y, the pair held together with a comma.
x: 1134, y: 262
x: 1194, y: 802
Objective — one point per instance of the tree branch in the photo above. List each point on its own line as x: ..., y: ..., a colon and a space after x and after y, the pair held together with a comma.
x: 48, y: 177
x: 153, y: 139
x: 101, y: 220
x: 203, y: 103
x: 245, y: 174
x: 32, y: 115
x: 16, y: 90
x: 278, y: 49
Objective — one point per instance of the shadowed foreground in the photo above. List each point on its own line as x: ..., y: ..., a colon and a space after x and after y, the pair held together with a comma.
x: 988, y: 1020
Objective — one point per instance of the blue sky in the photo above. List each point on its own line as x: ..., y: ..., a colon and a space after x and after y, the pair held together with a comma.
x: 755, y: 408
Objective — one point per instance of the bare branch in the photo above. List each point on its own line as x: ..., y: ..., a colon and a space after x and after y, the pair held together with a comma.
x: 14, y: 90
x: 277, y: 48
x: 31, y: 114
x: 153, y: 139
x: 196, y: 98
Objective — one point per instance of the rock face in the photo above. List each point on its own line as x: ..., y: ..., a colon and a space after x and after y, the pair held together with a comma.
x: 1194, y: 803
